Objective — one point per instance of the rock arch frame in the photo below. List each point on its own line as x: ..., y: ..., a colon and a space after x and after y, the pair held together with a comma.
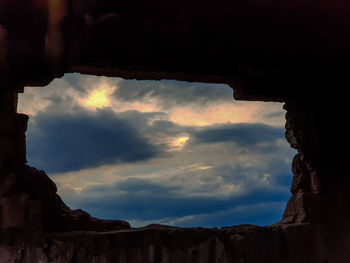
x: 294, y: 52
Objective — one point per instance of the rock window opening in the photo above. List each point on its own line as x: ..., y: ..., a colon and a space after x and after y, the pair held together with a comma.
x: 167, y: 152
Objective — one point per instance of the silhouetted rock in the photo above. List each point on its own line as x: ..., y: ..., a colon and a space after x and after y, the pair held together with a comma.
x: 29, y: 203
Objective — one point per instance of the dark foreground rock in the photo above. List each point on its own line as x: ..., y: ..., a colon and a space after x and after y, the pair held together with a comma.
x: 294, y: 243
x: 30, y: 206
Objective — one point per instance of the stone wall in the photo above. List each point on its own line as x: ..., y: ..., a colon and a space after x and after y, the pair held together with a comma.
x: 296, y: 52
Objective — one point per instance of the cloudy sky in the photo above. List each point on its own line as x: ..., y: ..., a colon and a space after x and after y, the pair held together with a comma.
x: 168, y: 152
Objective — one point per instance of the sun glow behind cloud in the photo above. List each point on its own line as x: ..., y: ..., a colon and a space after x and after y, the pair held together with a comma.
x: 98, y: 98
x: 180, y: 142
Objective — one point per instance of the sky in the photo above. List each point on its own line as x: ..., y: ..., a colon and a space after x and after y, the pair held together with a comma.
x: 166, y: 152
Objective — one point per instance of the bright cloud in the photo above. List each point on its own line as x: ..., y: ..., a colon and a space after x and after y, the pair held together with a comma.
x: 179, y: 142
x: 98, y: 98
x: 187, y: 106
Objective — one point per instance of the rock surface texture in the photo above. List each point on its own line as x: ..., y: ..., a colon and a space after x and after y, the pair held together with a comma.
x: 291, y: 51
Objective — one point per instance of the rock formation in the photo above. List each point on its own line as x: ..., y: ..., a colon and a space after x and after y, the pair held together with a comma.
x: 291, y: 51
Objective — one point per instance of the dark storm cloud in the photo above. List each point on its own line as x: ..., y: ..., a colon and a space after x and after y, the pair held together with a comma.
x: 171, y: 93
x: 134, y: 186
x: 243, y: 134
x: 145, y: 200
x: 157, y: 121
x: 69, y: 142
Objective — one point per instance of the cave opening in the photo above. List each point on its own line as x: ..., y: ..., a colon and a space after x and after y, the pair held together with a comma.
x: 167, y: 152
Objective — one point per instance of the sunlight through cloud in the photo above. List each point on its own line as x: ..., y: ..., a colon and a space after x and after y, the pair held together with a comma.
x: 180, y: 142
x: 99, y: 97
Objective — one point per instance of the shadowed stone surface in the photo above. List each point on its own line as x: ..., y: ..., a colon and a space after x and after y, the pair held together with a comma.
x: 291, y: 51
